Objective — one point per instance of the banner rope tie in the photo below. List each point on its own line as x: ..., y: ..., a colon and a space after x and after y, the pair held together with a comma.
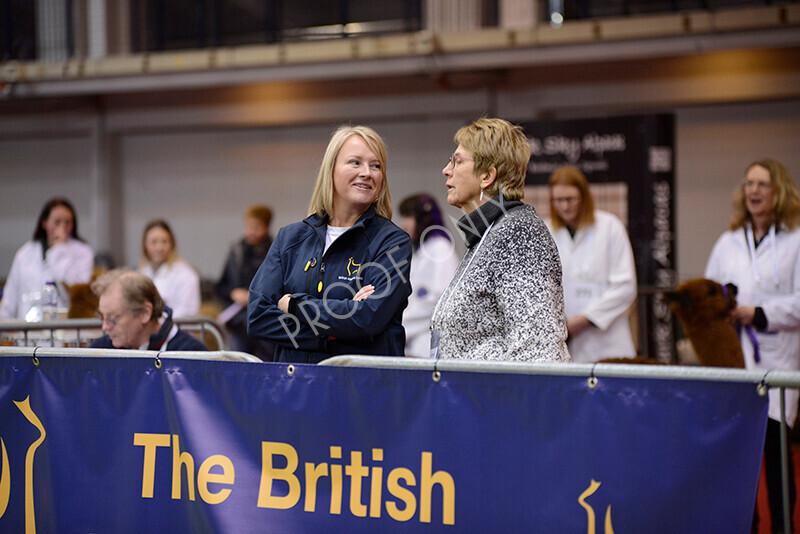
x: 35, y: 359
x: 158, y: 360
x: 592, y: 379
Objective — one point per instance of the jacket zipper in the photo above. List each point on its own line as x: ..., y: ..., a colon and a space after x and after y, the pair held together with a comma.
x: 308, y: 279
x: 321, y: 276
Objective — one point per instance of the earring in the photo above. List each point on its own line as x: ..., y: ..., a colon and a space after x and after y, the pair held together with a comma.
x: 481, y: 198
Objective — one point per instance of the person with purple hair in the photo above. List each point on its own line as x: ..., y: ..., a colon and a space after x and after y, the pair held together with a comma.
x: 433, y: 263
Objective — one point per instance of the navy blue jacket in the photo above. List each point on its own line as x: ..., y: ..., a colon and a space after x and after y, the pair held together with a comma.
x: 324, y: 320
x: 181, y: 342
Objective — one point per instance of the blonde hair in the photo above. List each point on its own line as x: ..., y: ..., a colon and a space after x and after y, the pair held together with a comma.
x: 569, y: 175
x: 496, y: 143
x: 785, y: 201
x: 322, y: 197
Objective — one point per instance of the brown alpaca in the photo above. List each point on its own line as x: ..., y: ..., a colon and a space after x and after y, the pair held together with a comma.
x: 82, y: 301
x: 703, y: 306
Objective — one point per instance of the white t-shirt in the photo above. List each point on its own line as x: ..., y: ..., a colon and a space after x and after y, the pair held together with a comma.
x: 332, y: 234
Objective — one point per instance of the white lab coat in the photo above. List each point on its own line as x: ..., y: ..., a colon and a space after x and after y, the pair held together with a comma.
x: 432, y: 267
x: 730, y: 262
x: 599, y: 256
x: 179, y: 286
x: 71, y: 262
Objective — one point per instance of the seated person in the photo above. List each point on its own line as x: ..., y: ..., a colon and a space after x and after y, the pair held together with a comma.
x: 244, y: 259
x: 55, y: 254
x: 134, y: 315
x: 176, y: 280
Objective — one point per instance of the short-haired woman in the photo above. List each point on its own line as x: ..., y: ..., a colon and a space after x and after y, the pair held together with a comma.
x: 760, y: 254
x: 337, y: 282
x: 176, y: 280
x: 599, y: 271
x: 505, y: 300
x: 244, y: 258
x: 55, y: 254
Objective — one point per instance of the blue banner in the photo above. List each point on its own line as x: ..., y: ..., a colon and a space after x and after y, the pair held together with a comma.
x: 114, y: 445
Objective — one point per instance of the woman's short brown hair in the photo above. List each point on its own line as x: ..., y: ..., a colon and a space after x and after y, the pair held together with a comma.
x: 496, y: 143
x: 260, y: 213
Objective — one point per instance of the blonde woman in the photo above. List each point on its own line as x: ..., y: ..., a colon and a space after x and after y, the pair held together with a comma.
x: 760, y: 254
x: 337, y: 282
x: 176, y: 280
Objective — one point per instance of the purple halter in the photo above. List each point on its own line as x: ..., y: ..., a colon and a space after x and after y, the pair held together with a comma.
x: 747, y: 329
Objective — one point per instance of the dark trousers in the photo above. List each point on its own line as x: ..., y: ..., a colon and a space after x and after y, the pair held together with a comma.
x: 772, y: 467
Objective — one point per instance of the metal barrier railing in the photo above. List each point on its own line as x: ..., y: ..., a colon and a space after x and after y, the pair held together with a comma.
x: 77, y: 333
x: 40, y: 352
x: 760, y: 379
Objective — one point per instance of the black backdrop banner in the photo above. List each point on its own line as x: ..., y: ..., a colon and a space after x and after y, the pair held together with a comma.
x: 639, y: 152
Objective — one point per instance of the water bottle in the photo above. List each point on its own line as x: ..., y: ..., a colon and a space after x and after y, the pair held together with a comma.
x: 49, y: 302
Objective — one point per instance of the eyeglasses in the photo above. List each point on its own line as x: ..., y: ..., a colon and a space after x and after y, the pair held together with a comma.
x: 567, y: 200
x: 456, y: 160
x: 111, y: 320
x: 761, y: 186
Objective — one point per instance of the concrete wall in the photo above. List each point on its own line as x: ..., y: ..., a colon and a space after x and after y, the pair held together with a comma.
x: 199, y: 167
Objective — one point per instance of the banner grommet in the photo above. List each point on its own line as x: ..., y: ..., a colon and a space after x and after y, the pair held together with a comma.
x: 592, y: 379
x: 35, y: 359
x: 290, y: 370
x: 158, y: 360
x: 762, y: 386
x: 437, y: 375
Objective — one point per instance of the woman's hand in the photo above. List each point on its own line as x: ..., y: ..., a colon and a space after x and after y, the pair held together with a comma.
x: 364, y: 292
x: 283, y: 304
x: 240, y: 295
x: 577, y: 324
x: 744, y: 315
x: 57, y: 236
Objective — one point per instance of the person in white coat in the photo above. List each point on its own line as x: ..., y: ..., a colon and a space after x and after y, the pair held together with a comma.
x: 177, y: 282
x: 55, y: 254
x: 433, y: 263
x: 599, y: 274
x: 760, y: 254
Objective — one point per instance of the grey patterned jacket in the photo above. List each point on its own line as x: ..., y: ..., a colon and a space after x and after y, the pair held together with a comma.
x: 505, y: 301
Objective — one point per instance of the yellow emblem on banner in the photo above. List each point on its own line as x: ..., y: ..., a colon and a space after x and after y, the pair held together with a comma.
x: 5, y: 478
x: 590, y: 519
